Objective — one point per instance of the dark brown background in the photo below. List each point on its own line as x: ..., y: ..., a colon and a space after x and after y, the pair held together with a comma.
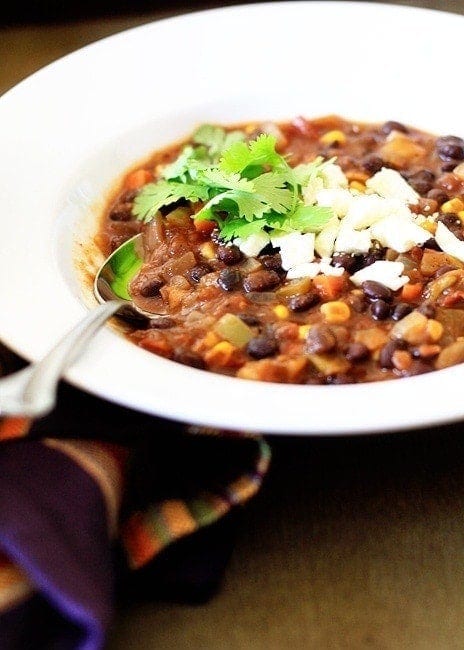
x: 353, y: 542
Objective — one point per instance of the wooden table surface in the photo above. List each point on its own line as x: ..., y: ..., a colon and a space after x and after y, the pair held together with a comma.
x: 353, y: 542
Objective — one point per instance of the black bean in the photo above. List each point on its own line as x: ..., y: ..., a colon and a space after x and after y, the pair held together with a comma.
x: 437, y: 195
x: 189, y: 358
x: 372, y: 163
x: 320, y: 338
x: 380, y: 310
x: 197, y: 272
x: 401, y: 310
x: 432, y: 244
x: 356, y: 352
x: 304, y: 301
x: 229, y: 254
x: 151, y: 288
x: 453, y: 223
x: 271, y: 262
x: 448, y: 139
x: 375, y: 291
x: 386, y: 353
x: 391, y: 125
x: 229, y: 279
x: 422, y: 181
x: 261, y: 347
x: 261, y: 281
x: 366, y: 259
x: 351, y: 263
x: 161, y: 323
x: 427, y: 310
x: 452, y: 151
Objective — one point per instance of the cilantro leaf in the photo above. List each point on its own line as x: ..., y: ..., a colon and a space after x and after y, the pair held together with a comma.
x: 258, y: 153
x: 307, y: 218
x: 241, y: 204
x: 245, y: 187
x: 216, y: 139
x: 153, y: 196
x: 216, y: 178
x: 306, y: 173
x: 240, y: 227
x: 186, y: 165
x: 271, y: 187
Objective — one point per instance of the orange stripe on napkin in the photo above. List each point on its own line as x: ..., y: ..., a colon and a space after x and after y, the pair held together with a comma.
x: 14, y: 585
x: 11, y: 428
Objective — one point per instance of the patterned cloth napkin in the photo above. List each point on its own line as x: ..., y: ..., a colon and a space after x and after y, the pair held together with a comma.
x: 92, y: 499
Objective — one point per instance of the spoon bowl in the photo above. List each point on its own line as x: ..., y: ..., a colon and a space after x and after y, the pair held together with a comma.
x: 31, y: 392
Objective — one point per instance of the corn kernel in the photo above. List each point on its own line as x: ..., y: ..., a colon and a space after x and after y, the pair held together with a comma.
x: 281, y: 312
x: 452, y: 206
x: 208, y: 251
x: 429, y: 226
x: 220, y: 354
x: 303, y: 331
x: 335, y: 312
x: 333, y: 136
x: 434, y: 330
x: 358, y: 186
x: 461, y: 216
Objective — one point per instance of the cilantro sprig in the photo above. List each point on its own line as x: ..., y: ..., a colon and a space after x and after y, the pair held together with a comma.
x: 245, y: 187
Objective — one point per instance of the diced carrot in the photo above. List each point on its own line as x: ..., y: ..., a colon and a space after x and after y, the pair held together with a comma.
x: 329, y: 286
x: 204, y: 227
x: 411, y: 292
x: 137, y: 179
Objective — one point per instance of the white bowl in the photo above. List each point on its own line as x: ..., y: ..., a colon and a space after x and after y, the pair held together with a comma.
x: 68, y: 132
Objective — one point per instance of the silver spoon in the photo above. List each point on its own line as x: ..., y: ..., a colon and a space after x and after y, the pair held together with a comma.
x: 31, y: 392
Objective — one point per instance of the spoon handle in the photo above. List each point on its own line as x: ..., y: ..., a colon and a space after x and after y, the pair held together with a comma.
x: 31, y: 392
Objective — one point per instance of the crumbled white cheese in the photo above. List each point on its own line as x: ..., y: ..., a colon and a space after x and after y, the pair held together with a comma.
x: 366, y: 209
x: 352, y: 241
x: 381, y: 215
x: 330, y: 177
x: 448, y: 242
x: 295, y: 248
x: 399, y: 234
x: 391, y: 185
x: 254, y: 244
x: 306, y: 270
x: 338, y: 199
x: 333, y: 176
x: 311, y: 269
x: 325, y: 240
x: 387, y: 273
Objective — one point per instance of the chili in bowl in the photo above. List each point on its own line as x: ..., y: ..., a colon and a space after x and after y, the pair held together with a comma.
x: 312, y: 251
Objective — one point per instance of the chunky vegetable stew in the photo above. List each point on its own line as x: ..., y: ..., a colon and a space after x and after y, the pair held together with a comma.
x: 317, y: 251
